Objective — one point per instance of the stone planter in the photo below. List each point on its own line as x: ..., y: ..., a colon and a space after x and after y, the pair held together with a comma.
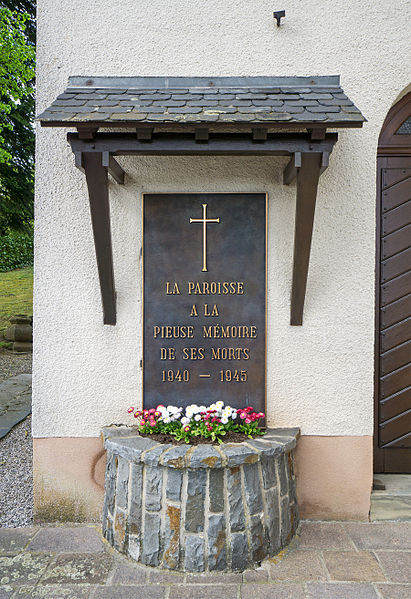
x: 199, y: 508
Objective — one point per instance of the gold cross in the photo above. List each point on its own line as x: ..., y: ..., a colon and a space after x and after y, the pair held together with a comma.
x: 204, y: 220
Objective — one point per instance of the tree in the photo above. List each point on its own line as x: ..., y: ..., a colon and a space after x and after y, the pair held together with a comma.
x: 17, y: 52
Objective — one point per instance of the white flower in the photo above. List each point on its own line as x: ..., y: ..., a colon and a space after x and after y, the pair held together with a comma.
x: 185, y: 420
x: 202, y: 409
x: 197, y: 417
x: 219, y: 404
x: 224, y: 420
x: 166, y: 420
x: 234, y: 415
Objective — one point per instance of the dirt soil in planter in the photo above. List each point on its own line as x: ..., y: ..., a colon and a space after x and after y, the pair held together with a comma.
x: 230, y: 437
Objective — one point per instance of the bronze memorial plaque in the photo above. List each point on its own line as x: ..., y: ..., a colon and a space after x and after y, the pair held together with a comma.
x: 204, y: 299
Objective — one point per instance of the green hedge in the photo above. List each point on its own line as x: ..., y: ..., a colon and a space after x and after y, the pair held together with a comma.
x: 16, y: 250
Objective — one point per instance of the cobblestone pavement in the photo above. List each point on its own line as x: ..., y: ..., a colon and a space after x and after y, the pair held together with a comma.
x: 330, y: 560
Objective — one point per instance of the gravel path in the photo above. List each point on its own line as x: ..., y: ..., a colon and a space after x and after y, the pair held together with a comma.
x: 16, y: 476
x: 16, y: 456
x: 12, y: 364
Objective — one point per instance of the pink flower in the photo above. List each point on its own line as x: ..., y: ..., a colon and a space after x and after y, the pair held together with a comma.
x: 160, y: 405
x: 142, y: 423
x: 243, y: 415
x: 136, y: 415
x: 247, y: 420
x: 151, y: 411
x: 186, y: 428
x: 130, y: 410
x: 157, y: 414
x: 152, y: 423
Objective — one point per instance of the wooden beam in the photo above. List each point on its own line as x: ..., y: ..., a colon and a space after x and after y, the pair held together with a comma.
x: 201, y: 134
x: 260, y: 134
x: 307, y: 183
x: 97, y: 183
x: 290, y: 171
x: 145, y: 133
x: 113, y: 168
x: 78, y: 161
x: 169, y: 144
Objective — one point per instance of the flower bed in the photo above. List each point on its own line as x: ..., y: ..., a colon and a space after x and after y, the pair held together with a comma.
x: 211, y: 424
x: 199, y: 508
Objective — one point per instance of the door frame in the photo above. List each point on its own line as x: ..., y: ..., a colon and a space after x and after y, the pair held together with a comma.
x: 393, y: 151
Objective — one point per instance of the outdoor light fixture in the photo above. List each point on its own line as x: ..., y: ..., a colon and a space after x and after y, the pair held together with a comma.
x: 278, y: 15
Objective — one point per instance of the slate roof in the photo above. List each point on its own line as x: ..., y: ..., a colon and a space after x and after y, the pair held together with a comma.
x: 196, y: 100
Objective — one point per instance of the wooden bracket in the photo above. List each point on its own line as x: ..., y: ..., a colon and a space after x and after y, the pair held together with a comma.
x: 317, y: 133
x: 78, y: 161
x: 291, y: 170
x: 113, y: 168
x: 97, y: 183
x: 307, y: 182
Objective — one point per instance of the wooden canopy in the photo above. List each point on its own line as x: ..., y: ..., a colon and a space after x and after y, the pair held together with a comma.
x: 246, y: 116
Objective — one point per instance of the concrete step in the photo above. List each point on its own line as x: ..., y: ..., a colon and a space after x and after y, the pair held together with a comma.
x: 393, y: 503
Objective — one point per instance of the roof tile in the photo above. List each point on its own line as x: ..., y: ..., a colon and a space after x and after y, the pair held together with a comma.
x: 225, y: 99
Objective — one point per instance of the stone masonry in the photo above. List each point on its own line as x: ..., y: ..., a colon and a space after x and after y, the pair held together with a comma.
x: 199, y: 508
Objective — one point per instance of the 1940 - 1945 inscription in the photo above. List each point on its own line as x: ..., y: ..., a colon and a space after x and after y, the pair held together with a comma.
x: 204, y: 299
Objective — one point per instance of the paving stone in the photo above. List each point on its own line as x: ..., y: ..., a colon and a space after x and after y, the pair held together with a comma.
x: 71, y: 591
x: 214, y: 578
x: 394, y: 591
x: 151, y: 540
x: 235, y: 499
x: 258, y: 575
x: 217, y: 553
x: 67, y: 539
x: 216, y: 490
x: 129, y: 574
x: 78, y: 568
x: 195, y: 500
x: 129, y: 592
x: 154, y: 479
x: 173, y: 486
x: 298, y: 566
x: 396, y: 565
x: 159, y: 576
x: 338, y: 590
x: 269, y: 591
x: 14, y: 539
x: 355, y: 566
x: 323, y: 535
x: 5, y: 592
x: 253, y: 488
x: 194, y: 554
x: 209, y: 591
x: 22, y: 568
x: 382, y: 535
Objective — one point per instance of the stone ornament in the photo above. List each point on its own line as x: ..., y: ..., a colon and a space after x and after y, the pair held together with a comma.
x: 199, y: 508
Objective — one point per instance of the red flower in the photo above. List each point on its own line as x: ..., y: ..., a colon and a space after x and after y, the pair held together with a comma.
x: 142, y: 423
x: 130, y: 410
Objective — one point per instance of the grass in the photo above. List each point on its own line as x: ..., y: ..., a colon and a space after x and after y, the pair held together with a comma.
x: 16, y: 295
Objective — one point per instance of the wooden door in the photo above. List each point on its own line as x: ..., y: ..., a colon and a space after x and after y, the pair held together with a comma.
x: 393, y: 306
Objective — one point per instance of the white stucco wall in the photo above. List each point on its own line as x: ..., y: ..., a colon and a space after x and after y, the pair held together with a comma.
x: 320, y: 375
